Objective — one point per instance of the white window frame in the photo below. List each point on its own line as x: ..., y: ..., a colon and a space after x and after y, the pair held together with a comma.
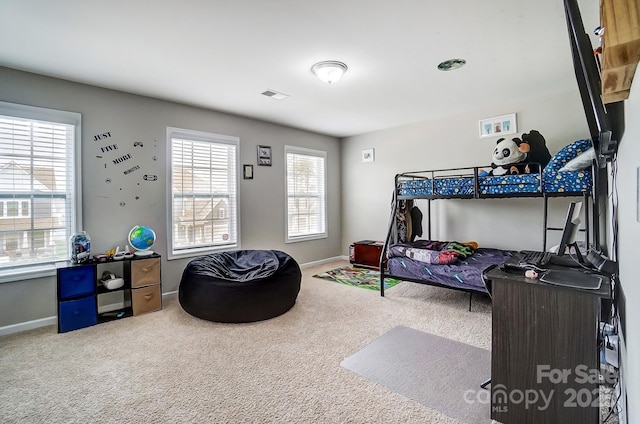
x: 172, y: 252
x: 308, y: 152
x: 48, y: 268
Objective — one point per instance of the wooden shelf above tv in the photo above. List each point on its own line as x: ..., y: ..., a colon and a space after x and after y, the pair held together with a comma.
x: 621, y: 47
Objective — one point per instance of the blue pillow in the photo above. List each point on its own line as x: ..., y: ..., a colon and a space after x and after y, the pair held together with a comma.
x: 566, y: 154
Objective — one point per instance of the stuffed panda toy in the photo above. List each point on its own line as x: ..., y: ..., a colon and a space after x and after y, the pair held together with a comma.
x: 507, y: 155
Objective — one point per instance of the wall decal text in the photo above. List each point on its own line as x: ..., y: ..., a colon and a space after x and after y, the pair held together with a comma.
x: 122, y: 159
x: 102, y: 136
x: 130, y: 170
x: 109, y: 148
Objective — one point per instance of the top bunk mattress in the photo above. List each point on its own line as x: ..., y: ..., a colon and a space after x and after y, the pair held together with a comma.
x: 466, y: 185
x: 558, y: 182
x: 470, y: 183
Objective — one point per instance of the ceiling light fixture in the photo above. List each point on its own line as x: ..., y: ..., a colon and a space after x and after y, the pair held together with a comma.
x: 329, y: 71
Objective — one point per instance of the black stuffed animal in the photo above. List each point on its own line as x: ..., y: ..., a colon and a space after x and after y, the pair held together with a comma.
x: 538, y: 151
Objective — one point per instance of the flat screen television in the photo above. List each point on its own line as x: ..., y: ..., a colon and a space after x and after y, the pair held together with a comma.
x: 606, y: 122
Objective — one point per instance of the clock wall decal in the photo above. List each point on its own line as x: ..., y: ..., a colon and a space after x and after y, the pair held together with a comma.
x: 127, y: 169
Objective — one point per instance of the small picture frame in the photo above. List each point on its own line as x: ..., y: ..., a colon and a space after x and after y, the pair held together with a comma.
x: 368, y: 155
x: 498, y: 126
x: 247, y: 172
x: 264, y: 155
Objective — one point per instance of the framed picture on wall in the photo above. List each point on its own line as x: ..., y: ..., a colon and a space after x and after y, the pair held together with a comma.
x: 264, y: 155
x: 368, y: 155
x: 498, y: 126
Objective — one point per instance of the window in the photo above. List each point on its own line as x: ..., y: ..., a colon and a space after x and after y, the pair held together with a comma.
x: 306, y: 194
x: 15, y: 208
x: 39, y: 191
x: 203, y: 192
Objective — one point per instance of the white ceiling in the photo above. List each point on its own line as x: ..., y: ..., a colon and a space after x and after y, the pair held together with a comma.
x: 221, y: 54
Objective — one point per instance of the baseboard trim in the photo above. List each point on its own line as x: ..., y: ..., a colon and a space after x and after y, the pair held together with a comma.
x: 43, y: 322
x: 170, y: 295
x: 324, y: 261
x: 28, y: 325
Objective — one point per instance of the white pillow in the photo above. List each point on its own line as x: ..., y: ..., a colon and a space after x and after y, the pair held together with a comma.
x: 582, y: 161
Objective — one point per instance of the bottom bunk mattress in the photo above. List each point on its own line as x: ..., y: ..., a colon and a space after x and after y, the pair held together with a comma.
x: 463, y: 274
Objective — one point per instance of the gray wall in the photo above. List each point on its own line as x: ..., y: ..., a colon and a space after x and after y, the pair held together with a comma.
x: 451, y: 143
x: 628, y: 236
x: 136, y: 118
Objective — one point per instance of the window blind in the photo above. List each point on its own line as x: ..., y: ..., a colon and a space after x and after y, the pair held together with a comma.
x: 37, y: 185
x: 306, y: 193
x: 204, y: 198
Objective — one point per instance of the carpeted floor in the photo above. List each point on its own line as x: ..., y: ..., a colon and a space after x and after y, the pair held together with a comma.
x: 168, y: 366
x: 357, y: 277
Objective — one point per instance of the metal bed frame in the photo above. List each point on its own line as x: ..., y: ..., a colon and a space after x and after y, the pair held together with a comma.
x: 433, y: 175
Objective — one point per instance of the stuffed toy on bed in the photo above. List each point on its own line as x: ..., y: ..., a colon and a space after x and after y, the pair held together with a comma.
x: 509, y: 157
x: 525, y: 155
x: 538, y: 151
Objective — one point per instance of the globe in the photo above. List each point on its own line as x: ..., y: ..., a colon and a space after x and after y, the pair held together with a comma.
x: 141, y: 238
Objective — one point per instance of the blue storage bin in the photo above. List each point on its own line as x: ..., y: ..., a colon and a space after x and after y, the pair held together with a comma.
x: 76, y: 281
x: 75, y: 314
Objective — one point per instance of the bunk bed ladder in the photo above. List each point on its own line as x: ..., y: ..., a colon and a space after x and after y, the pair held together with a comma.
x: 392, y: 224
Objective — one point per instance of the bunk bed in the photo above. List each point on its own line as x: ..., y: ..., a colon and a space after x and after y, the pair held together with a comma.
x: 459, y: 265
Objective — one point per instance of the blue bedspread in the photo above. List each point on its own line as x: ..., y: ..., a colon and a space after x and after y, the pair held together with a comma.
x: 551, y: 180
x: 558, y: 182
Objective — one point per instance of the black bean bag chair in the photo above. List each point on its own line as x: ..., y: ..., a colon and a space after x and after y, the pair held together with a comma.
x: 240, y: 286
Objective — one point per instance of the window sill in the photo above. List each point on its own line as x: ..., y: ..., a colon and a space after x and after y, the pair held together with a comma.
x: 306, y: 238
x: 195, y: 252
x: 27, y: 273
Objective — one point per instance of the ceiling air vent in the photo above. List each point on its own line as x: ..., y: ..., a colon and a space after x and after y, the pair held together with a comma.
x: 275, y: 95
